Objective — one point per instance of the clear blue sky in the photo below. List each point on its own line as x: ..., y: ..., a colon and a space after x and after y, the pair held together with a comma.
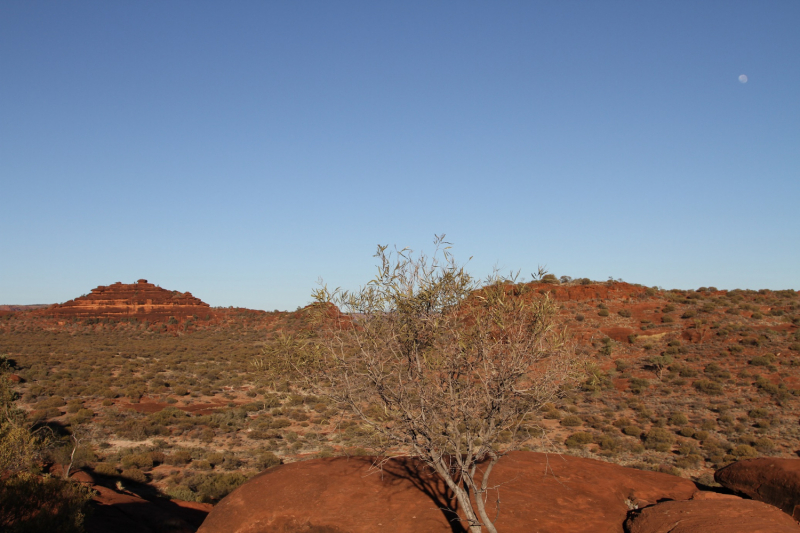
x: 240, y: 150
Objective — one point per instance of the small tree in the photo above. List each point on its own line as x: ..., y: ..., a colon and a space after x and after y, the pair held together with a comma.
x: 439, y: 366
x: 658, y: 363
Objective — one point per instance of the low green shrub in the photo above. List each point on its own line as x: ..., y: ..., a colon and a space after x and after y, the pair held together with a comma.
x: 106, y: 469
x: 632, y: 431
x: 762, y: 360
x: 744, y: 451
x: 179, y: 458
x: 678, y: 419
x: 708, y: 387
x: 638, y: 385
x: 658, y: 439
x: 579, y: 439
x: 279, y: 423
x: 210, y: 488
x: 134, y: 474
x: 266, y: 460
x: 708, y: 424
x: 764, y: 445
x: 621, y: 422
x: 688, y: 461
x: 202, y: 465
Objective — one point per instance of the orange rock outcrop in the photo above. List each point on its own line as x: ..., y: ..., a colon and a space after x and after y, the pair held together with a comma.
x: 711, y: 515
x: 545, y: 493
x: 141, y: 300
x: 772, y: 480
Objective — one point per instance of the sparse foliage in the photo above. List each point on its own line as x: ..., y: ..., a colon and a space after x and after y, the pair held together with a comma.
x: 436, y: 364
x: 658, y: 363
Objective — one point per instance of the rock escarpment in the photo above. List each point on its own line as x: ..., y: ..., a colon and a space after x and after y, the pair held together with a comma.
x: 141, y: 300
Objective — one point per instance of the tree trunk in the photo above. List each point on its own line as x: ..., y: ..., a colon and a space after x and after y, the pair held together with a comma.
x: 462, y: 495
x: 465, y: 503
x: 71, y: 458
x: 480, y: 495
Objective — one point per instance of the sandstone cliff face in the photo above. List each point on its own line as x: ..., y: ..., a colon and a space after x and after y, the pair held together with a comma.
x: 141, y: 300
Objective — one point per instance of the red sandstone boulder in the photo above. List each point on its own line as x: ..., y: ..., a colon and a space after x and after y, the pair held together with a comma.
x: 536, y: 492
x: 770, y: 480
x: 711, y: 515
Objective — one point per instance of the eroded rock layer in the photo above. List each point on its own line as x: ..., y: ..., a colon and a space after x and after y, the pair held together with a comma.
x: 141, y: 300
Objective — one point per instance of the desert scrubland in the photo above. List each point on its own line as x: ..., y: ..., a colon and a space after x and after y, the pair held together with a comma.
x: 181, y: 404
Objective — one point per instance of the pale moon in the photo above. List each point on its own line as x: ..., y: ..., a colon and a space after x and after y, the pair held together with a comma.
x: 743, y: 78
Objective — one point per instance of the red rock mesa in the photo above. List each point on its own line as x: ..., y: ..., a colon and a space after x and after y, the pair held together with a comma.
x: 141, y: 300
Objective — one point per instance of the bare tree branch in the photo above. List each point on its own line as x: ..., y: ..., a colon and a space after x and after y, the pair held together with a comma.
x: 439, y: 365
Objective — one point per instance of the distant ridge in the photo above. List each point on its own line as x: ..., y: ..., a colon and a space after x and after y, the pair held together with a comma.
x: 30, y: 307
x: 140, y: 300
